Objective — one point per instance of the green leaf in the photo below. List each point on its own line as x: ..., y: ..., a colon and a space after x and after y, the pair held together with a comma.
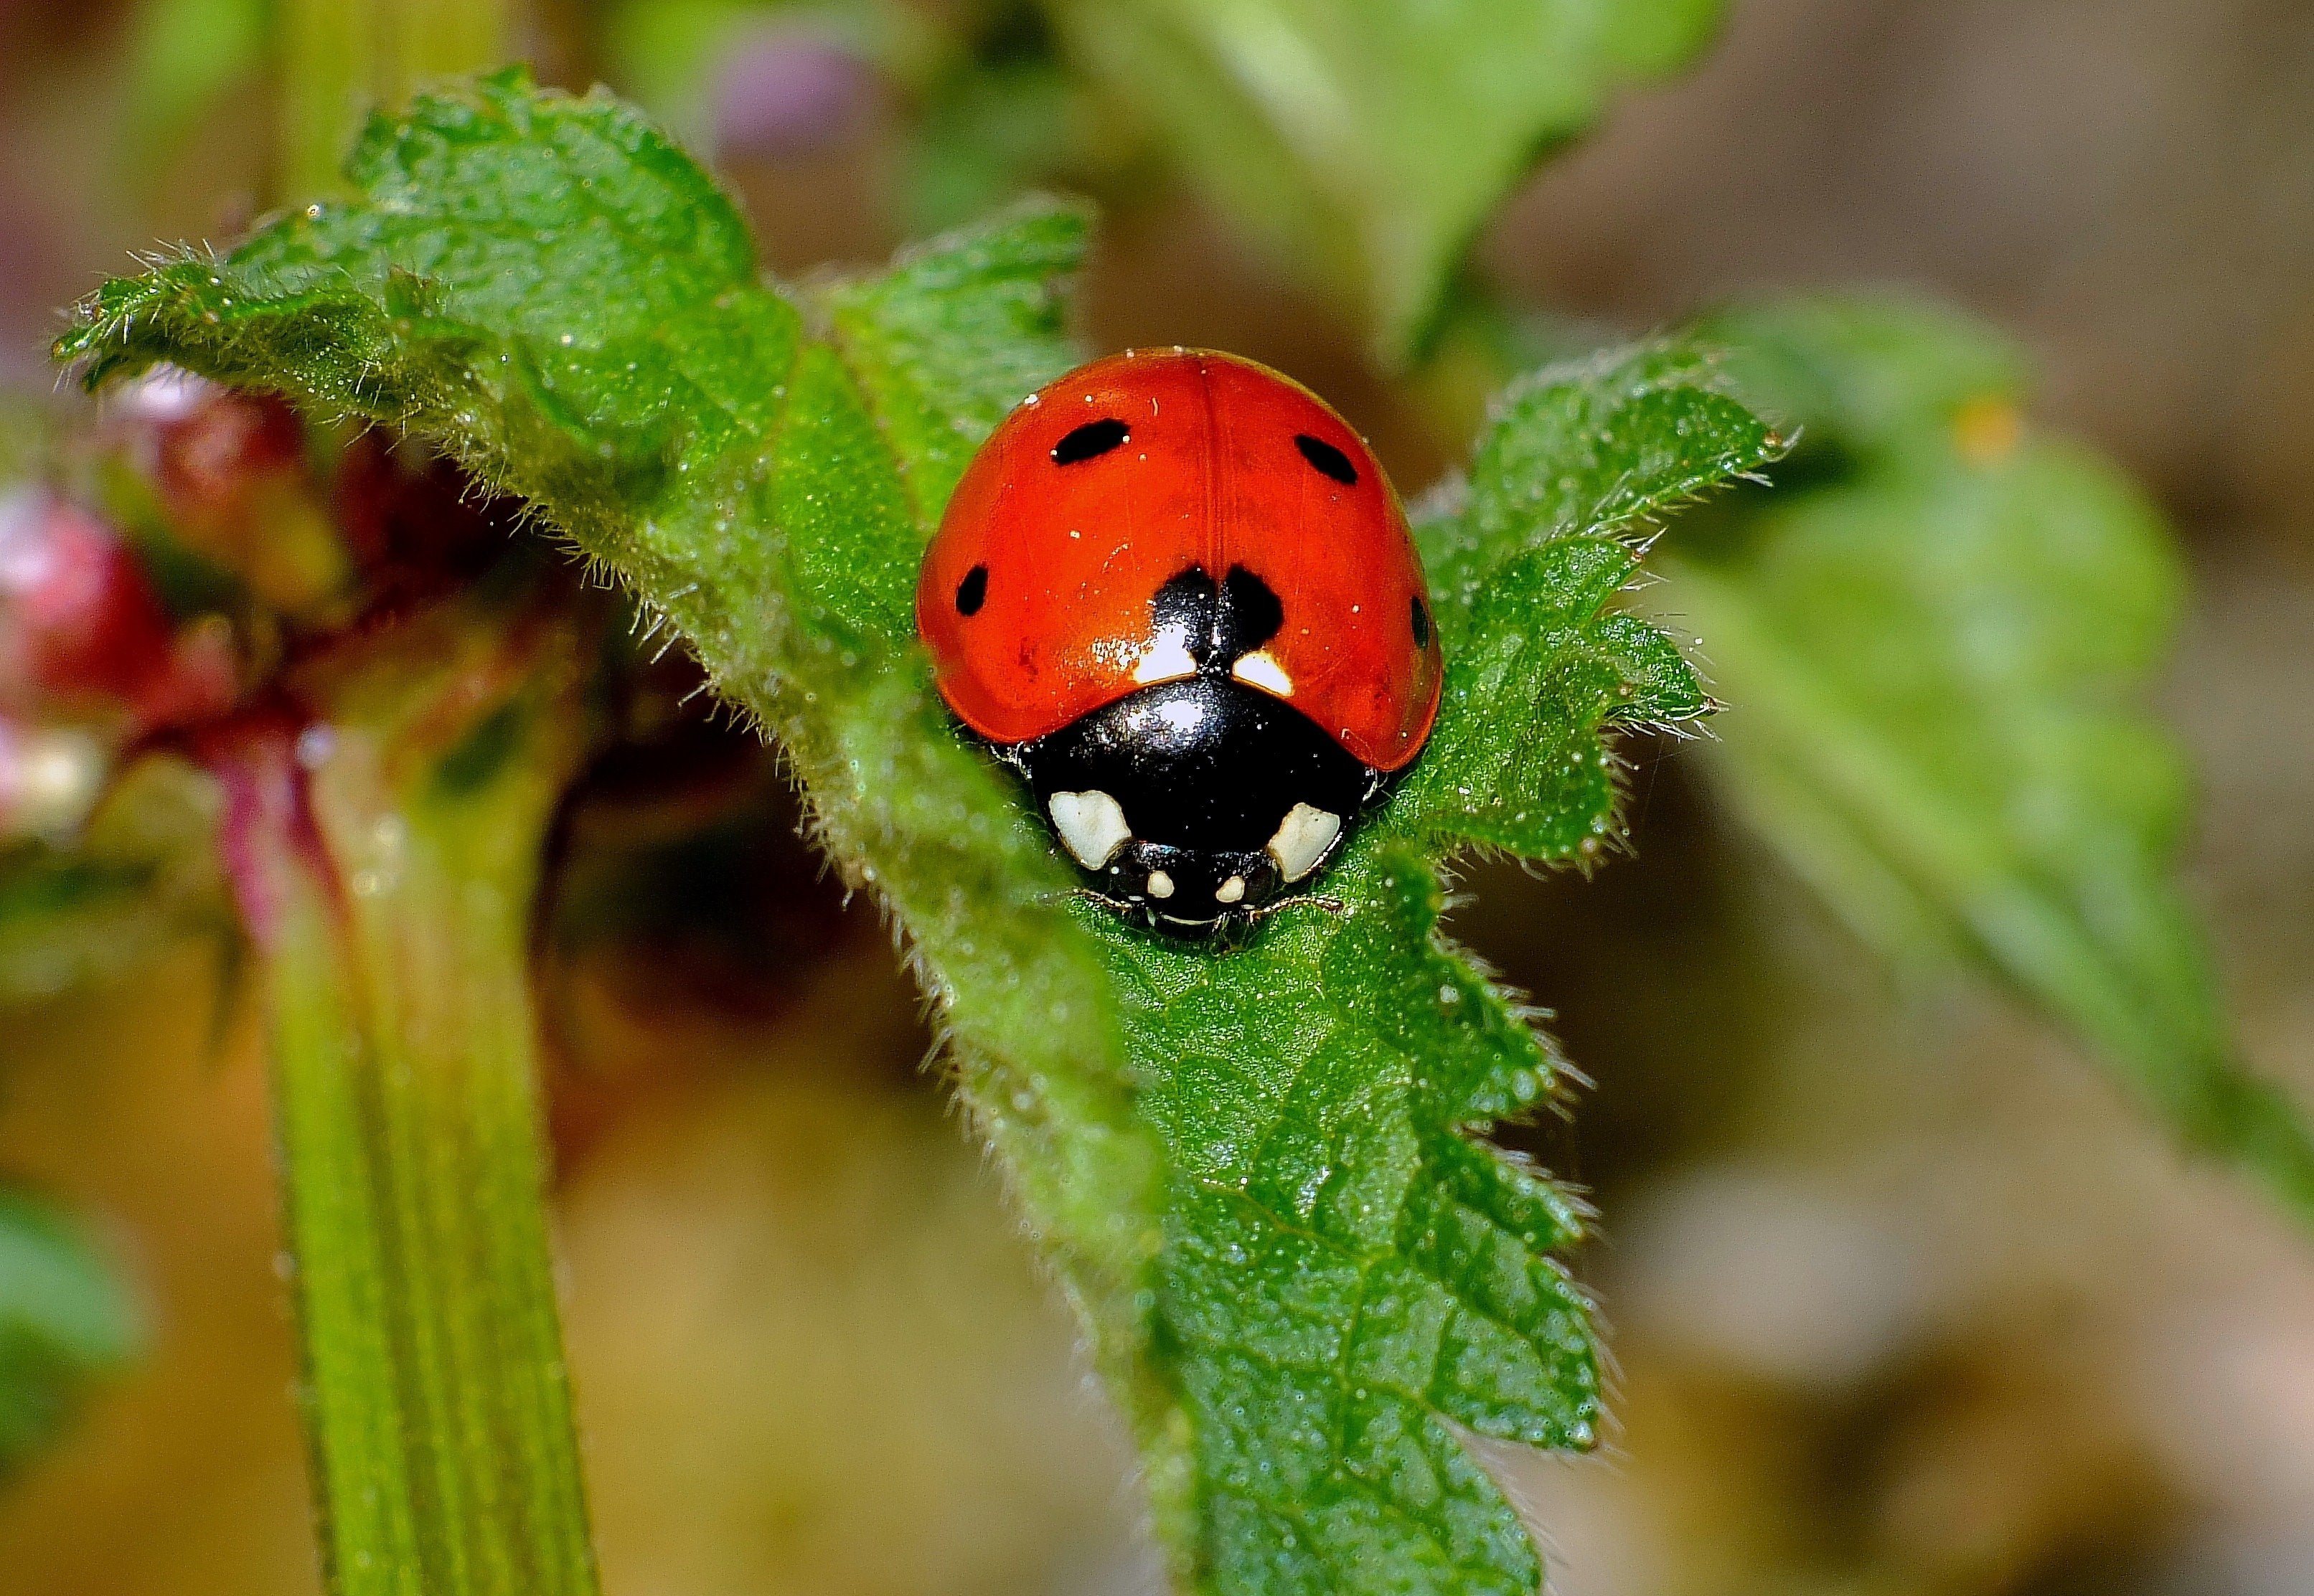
x: 1938, y: 637
x: 1578, y: 462
x: 63, y: 1319
x: 1258, y: 1172
x: 1367, y: 142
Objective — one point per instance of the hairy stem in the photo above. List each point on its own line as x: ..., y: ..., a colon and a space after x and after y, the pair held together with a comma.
x: 388, y: 858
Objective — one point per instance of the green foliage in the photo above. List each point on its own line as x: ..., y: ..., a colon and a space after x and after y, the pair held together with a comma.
x: 1939, y: 632
x: 1576, y: 462
x: 1258, y: 1173
x: 1369, y: 141
x: 181, y: 56
x: 666, y: 52
x: 991, y: 128
x: 70, y: 913
x: 139, y: 876
x: 24, y: 442
x: 341, y: 57
x: 63, y: 1319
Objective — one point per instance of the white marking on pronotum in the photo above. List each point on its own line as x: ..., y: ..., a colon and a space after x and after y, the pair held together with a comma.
x: 1302, y: 840
x: 1260, y: 669
x: 1167, y: 659
x: 1161, y: 884
x: 1092, y: 826
x: 1229, y: 891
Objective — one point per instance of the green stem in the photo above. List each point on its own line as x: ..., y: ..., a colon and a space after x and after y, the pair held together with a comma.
x: 398, y: 860
x: 325, y: 73
x: 342, y: 60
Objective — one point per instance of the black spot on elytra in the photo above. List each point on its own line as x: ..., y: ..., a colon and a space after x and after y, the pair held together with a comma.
x: 1250, y: 613
x: 1329, y: 460
x: 1421, y: 622
x: 1219, y: 621
x: 973, y: 591
x: 1093, y: 438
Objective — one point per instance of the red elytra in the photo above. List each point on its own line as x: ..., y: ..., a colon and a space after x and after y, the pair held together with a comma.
x: 1223, y: 463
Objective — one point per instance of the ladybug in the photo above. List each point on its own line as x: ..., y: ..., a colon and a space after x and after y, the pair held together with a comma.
x: 1175, y: 591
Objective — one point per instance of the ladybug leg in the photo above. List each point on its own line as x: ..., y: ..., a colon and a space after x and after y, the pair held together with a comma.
x: 1331, y: 905
x: 1235, y: 930
x: 1090, y: 895
x: 1123, y: 908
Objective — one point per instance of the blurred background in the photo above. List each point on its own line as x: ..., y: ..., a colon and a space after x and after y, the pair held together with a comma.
x: 1905, y: 1296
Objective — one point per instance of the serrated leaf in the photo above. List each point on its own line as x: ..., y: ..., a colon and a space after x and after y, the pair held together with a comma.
x: 1255, y: 1171
x: 1367, y: 142
x: 1940, y: 636
x: 1578, y: 462
x: 63, y: 1319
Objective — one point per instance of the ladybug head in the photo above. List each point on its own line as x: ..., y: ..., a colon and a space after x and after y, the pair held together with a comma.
x: 1199, y: 802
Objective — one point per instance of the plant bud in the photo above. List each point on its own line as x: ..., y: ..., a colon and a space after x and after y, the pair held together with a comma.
x: 80, y: 625
x: 230, y: 471
x: 786, y: 91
